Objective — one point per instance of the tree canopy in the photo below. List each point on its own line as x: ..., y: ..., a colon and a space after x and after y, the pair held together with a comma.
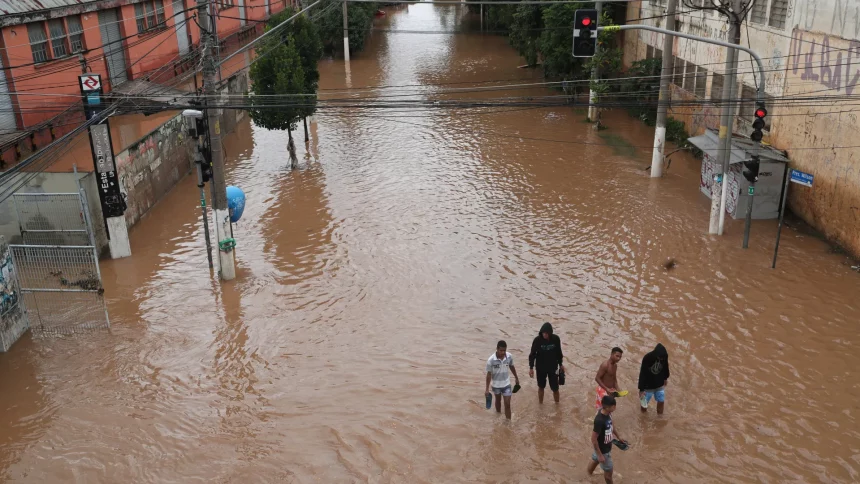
x: 286, y: 65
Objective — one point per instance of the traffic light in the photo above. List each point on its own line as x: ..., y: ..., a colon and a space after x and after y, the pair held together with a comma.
x: 758, y: 123
x: 751, y: 169
x: 584, y: 32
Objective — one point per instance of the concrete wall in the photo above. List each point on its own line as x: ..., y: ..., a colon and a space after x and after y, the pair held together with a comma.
x: 821, y: 137
x: 150, y: 167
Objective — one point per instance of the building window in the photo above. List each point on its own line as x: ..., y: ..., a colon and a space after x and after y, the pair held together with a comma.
x: 649, y: 52
x: 690, y: 77
x: 149, y: 15
x: 717, y: 87
x: 748, y: 106
x: 758, y: 14
x: 778, y: 11
x: 701, y: 81
x: 678, y: 78
x: 225, y: 4
x: 38, y: 41
x: 58, y: 38
x: 658, y: 54
x: 64, y: 37
x: 76, y: 34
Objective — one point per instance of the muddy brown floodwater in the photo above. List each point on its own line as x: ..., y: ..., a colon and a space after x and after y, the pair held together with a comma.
x: 374, y: 283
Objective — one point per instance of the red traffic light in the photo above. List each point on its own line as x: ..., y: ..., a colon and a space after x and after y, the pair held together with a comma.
x: 760, y: 112
x: 586, y: 21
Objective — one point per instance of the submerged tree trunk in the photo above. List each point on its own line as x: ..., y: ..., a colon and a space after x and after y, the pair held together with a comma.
x: 291, y: 147
x: 305, y: 121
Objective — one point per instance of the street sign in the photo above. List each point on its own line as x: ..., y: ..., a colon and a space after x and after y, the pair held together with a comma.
x: 90, y: 82
x: 752, y: 190
x: 801, y: 178
x: 113, y: 203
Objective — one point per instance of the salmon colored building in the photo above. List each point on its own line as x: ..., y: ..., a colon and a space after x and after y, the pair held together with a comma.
x: 46, y: 44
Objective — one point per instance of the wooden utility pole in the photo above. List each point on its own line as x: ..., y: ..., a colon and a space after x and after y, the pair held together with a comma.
x: 227, y: 267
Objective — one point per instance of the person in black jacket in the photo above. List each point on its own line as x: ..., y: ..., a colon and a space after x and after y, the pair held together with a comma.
x: 546, y: 354
x: 653, y: 377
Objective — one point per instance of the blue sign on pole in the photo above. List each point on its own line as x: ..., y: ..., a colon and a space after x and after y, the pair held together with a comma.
x: 801, y: 178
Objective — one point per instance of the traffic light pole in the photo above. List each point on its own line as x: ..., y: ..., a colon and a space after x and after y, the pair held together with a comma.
x: 227, y: 265
x: 663, y: 99
x: 595, y: 73
x: 748, y: 222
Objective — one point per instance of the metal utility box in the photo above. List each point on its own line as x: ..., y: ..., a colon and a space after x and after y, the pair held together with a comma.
x: 771, y: 177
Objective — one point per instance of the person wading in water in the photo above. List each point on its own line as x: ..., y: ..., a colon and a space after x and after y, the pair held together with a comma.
x: 607, y: 383
x: 547, y: 356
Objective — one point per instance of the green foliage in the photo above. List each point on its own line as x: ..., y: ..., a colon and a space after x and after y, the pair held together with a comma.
x: 286, y: 64
x: 524, y: 36
x: 676, y: 133
x: 643, y: 83
x: 278, y: 71
x: 330, y: 24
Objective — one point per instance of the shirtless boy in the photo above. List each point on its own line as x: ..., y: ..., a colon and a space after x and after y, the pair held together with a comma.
x: 607, y: 383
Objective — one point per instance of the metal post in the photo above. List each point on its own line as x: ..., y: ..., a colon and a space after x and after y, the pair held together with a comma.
x: 787, y: 176
x: 200, y: 184
x: 227, y: 267
x: 748, y: 222
x: 345, y: 34
x: 482, y: 17
x: 662, y: 103
x: 595, y: 73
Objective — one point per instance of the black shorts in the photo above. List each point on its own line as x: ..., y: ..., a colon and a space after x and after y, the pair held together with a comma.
x: 542, y: 377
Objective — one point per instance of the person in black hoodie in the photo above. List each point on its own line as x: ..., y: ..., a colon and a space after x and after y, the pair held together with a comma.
x: 546, y: 355
x: 653, y: 377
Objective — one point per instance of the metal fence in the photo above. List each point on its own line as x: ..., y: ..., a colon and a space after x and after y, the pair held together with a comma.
x: 53, y: 219
x: 61, y: 289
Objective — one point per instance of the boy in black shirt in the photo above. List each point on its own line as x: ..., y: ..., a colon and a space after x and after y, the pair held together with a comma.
x: 601, y: 439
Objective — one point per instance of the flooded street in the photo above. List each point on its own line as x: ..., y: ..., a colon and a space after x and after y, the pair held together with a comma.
x: 373, y: 284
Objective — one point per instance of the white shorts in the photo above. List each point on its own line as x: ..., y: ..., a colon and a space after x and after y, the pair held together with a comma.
x: 505, y: 392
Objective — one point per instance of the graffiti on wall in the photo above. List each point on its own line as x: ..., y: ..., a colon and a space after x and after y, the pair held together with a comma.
x: 830, y: 61
x: 151, y: 166
x: 834, y: 17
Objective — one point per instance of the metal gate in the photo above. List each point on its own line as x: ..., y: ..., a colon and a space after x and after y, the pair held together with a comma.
x: 61, y: 288
x: 56, y: 269
x: 53, y: 218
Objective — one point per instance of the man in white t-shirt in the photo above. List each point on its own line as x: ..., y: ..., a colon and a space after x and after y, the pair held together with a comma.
x: 497, y: 374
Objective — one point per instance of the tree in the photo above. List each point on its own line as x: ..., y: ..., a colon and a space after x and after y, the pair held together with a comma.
x: 330, y: 24
x: 285, y: 74
x: 278, y: 78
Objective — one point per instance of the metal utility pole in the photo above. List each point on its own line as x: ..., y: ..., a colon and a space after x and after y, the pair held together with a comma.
x: 748, y: 221
x: 345, y: 34
x: 227, y: 267
x: 595, y: 73
x: 662, y: 107
x: 724, y: 145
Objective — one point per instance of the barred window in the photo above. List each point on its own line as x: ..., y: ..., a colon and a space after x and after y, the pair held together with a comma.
x: 58, y: 38
x: 38, y: 41
x: 678, y: 78
x: 149, y: 15
x: 690, y: 77
x: 717, y: 87
x: 778, y: 11
x: 701, y: 81
x: 758, y: 14
x: 76, y: 34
